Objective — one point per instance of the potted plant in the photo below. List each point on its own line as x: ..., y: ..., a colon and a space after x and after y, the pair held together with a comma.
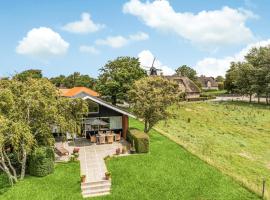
x: 83, y: 178
x: 118, y: 151
x: 107, y: 175
x: 124, y: 150
x: 76, y: 150
x: 76, y: 155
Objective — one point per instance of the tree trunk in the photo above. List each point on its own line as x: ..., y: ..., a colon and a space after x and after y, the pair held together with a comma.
x: 145, y: 126
x: 10, y: 165
x: 3, y: 166
x: 113, y: 98
x: 24, y: 157
x: 259, y: 99
x: 250, y: 98
x: 267, y: 98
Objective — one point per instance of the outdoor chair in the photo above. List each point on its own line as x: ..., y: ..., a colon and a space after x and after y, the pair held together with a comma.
x: 117, y: 137
x: 61, y: 151
x: 102, y: 139
x: 110, y: 138
x: 93, y: 139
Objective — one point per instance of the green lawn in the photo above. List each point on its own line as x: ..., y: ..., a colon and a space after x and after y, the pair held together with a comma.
x: 232, y: 136
x: 168, y: 172
x: 64, y: 183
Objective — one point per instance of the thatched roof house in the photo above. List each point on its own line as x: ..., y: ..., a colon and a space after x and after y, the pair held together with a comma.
x: 186, y: 85
x: 208, y: 83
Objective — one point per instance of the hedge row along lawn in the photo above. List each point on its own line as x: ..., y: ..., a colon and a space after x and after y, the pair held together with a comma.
x: 232, y: 136
x: 167, y: 172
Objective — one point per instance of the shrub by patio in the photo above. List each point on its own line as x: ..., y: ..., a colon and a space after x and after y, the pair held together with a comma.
x: 141, y: 140
x: 41, y: 162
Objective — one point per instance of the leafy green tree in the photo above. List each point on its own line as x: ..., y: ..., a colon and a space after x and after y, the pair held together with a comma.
x: 150, y: 98
x: 31, y: 108
x: 31, y: 73
x: 259, y: 58
x: 73, y: 80
x: 230, y: 78
x: 117, y: 77
x: 220, y: 79
x: 244, y: 79
x: 58, y: 81
x: 187, y: 71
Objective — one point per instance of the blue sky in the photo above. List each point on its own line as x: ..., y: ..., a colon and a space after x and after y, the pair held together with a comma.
x: 61, y: 37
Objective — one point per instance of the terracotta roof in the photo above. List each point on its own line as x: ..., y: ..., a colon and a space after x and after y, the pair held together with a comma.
x: 77, y: 90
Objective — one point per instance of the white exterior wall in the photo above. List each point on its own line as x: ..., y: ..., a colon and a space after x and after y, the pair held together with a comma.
x: 116, y: 122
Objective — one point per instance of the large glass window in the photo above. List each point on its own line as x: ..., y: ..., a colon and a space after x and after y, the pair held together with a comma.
x: 93, y: 107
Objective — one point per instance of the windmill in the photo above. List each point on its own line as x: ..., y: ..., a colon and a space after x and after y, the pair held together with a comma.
x: 153, y: 71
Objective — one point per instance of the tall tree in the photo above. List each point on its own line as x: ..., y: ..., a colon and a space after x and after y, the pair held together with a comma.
x: 117, y: 77
x: 31, y: 108
x: 259, y: 58
x: 231, y: 77
x: 244, y: 79
x: 150, y: 98
x: 31, y: 73
x: 187, y: 71
x: 73, y: 80
x: 220, y: 79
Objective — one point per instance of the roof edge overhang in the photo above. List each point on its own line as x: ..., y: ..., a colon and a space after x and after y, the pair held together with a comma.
x: 101, y: 102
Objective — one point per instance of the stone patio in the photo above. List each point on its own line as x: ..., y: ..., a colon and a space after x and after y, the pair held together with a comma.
x: 92, y: 156
x: 92, y: 163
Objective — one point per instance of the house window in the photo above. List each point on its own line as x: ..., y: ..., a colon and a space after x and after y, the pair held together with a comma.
x: 93, y: 107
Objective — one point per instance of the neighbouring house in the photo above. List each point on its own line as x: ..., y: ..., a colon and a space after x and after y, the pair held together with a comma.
x: 77, y: 92
x: 186, y: 85
x: 208, y: 83
x: 102, y: 115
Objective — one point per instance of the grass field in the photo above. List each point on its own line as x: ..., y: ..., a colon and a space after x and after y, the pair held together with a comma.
x: 214, y: 92
x: 232, y: 136
x: 168, y: 172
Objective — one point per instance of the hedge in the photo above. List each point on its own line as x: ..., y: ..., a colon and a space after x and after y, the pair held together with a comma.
x: 41, y: 162
x: 141, y: 140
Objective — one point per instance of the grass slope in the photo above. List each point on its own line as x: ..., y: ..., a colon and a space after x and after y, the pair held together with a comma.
x: 232, y: 136
x: 168, y: 172
x: 64, y: 183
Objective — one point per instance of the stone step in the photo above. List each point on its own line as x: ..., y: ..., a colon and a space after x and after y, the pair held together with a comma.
x: 96, y: 183
x: 96, y: 192
x: 96, y: 186
x: 96, y: 195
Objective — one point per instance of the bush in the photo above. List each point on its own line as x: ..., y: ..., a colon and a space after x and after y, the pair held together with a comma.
x: 141, y: 140
x: 41, y: 162
x: 220, y: 85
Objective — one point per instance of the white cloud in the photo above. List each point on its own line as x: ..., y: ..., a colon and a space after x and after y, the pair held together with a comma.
x: 114, y: 42
x: 42, y: 43
x: 146, y: 59
x: 206, y: 28
x: 89, y: 49
x: 139, y: 36
x: 218, y: 66
x: 85, y: 25
x: 121, y: 41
